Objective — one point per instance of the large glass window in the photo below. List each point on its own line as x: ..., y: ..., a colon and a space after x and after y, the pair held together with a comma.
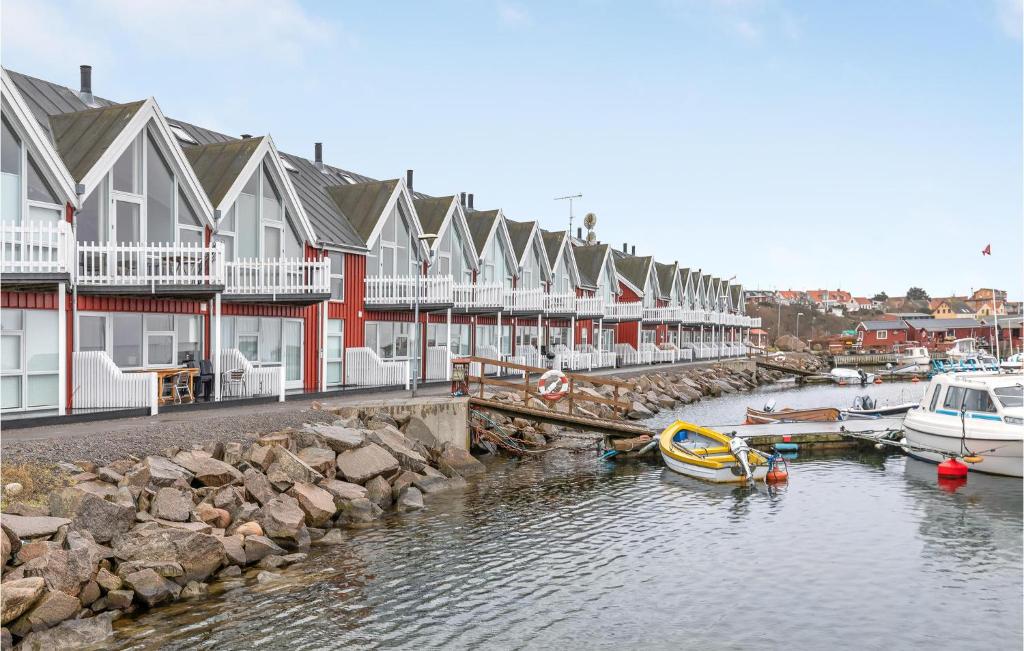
x: 487, y: 336
x: 189, y: 330
x: 142, y: 340
x: 160, y: 220
x: 127, y: 171
x: 388, y: 339
x: 266, y: 341
x: 528, y: 336
x: 29, y: 352
x: 337, y: 275
x: 10, y: 172
x: 248, y: 220
x: 437, y: 334
x: 954, y: 398
x: 25, y: 195
x: 257, y: 226
x: 334, y: 351
x: 978, y: 400
x: 126, y: 337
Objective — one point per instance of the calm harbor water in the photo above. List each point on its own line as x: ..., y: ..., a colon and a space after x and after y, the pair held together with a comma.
x: 857, y: 551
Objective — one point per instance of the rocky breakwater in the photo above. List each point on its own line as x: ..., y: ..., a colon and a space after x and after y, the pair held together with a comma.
x: 137, y: 533
x: 648, y: 394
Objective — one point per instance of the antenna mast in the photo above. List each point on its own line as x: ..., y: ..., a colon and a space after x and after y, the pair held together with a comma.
x: 570, y: 197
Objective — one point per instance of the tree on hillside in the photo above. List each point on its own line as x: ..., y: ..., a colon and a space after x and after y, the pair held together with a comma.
x: 880, y: 296
x: 917, y: 294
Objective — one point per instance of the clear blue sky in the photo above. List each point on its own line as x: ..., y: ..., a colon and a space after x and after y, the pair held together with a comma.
x: 872, y: 145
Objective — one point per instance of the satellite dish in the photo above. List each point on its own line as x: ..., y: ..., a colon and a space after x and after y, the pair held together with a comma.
x: 591, y: 237
x: 590, y: 220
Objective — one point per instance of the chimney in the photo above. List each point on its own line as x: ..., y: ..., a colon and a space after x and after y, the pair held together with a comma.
x: 469, y: 198
x: 85, y: 87
x: 318, y: 155
x: 246, y: 136
x: 462, y: 199
x: 408, y: 179
x: 579, y: 233
x: 625, y: 248
x: 633, y: 252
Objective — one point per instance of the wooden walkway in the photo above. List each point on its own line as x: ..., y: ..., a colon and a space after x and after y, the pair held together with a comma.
x: 610, y: 428
x: 783, y: 368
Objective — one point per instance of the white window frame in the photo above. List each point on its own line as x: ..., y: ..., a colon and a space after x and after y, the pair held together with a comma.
x: 881, y: 334
x: 108, y: 336
x: 26, y: 204
x: 337, y: 272
x: 23, y: 371
x: 340, y: 359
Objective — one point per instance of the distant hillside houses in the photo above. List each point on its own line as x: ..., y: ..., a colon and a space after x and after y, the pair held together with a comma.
x: 977, y: 305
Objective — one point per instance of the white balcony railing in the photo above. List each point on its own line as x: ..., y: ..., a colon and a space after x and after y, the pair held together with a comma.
x: 98, y: 383
x: 254, y: 380
x: 590, y: 306
x: 36, y: 248
x: 364, y: 368
x: 755, y: 322
x: 525, y: 300
x: 661, y: 314
x: 138, y: 264
x: 560, y: 303
x: 627, y: 311
x: 287, y: 276
x: 477, y: 296
x: 401, y: 290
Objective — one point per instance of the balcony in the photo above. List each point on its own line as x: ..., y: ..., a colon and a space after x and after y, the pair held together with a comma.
x: 590, y: 306
x: 292, y: 280
x: 662, y: 314
x: 399, y: 292
x: 525, y: 300
x: 487, y: 297
x: 36, y: 252
x: 560, y: 303
x: 183, y: 268
x: 623, y: 311
x: 755, y: 322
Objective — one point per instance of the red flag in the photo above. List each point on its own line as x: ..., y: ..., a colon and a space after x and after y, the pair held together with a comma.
x: 987, y: 250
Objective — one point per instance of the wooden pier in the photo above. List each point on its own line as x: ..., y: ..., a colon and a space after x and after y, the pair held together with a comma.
x: 844, y: 433
x: 764, y: 362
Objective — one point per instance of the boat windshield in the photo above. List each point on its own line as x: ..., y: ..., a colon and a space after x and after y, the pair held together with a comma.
x: 1010, y: 396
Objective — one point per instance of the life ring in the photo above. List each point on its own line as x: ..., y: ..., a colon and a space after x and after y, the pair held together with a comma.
x: 553, y: 385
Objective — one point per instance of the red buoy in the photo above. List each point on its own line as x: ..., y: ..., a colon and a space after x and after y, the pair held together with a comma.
x: 952, y: 485
x: 952, y: 469
x: 776, y: 475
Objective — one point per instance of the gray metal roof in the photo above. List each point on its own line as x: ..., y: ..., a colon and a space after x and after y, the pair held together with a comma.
x: 82, y: 137
x: 480, y: 224
x: 884, y: 325
x: 330, y: 224
x: 217, y: 165
x: 941, y: 325
x: 589, y: 261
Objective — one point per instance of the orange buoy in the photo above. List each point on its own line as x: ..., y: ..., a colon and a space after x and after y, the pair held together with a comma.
x: 776, y: 475
x: 952, y: 469
x: 915, y: 379
x: 878, y: 380
x: 974, y: 458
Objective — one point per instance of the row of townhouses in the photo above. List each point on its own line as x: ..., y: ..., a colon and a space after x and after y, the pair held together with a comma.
x: 133, y: 242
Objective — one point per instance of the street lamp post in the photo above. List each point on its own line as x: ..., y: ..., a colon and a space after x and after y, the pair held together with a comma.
x: 428, y: 239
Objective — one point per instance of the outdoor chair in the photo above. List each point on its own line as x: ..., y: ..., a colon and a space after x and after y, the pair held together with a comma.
x: 182, y: 386
x: 234, y: 380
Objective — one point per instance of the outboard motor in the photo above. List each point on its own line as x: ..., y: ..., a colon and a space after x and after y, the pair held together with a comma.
x: 741, y: 450
x: 863, y: 376
x: 769, y: 406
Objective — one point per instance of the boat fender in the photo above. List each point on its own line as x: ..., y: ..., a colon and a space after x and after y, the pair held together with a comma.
x: 974, y: 458
x: 787, y: 447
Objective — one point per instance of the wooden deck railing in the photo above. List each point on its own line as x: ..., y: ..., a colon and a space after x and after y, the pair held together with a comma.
x: 286, y: 276
x: 401, y: 290
x: 154, y: 265
x: 479, y: 296
x: 36, y: 248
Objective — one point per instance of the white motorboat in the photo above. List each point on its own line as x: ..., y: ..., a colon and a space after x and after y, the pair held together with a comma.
x: 913, y: 359
x: 1013, y: 362
x: 962, y: 349
x: 970, y: 415
x: 851, y: 376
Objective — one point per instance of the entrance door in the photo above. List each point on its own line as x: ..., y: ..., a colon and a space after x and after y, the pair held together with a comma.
x: 292, y: 354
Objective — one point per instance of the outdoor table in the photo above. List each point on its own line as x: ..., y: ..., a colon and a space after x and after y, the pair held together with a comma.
x: 165, y: 372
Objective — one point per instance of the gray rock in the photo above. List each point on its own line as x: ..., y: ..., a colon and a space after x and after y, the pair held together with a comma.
x: 259, y: 547
x: 207, y: 470
x: 258, y: 486
x: 365, y: 463
x: 430, y: 485
x: 411, y: 499
x: 86, y: 633
x: 91, y: 513
x: 171, y: 504
x: 199, y: 554
x: 319, y: 459
x: 66, y: 570
x: 108, y: 580
x: 361, y: 511
x: 342, y: 491
x: 456, y: 461
x: 120, y: 599
x: 638, y: 411
x: 332, y: 537
x: 271, y: 562
x: 295, y: 558
x: 166, y: 569
x: 157, y: 471
x: 418, y: 430
x: 33, y: 527
x: 232, y: 453
x: 151, y: 588
x: 194, y: 589
x: 19, y: 595
x: 51, y: 609
x: 229, y: 572
x: 296, y: 469
x: 400, y: 448
x: 267, y: 577
x: 379, y: 491
x: 234, y: 548
x: 315, y: 502
x: 282, y: 518
x: 338, y: 439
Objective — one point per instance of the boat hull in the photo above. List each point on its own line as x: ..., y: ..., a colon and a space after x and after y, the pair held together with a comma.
x: 999, y: 456
x: 716, y: 475
x: 822, y: 415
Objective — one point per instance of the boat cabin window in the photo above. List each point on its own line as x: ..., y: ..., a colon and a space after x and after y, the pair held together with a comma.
x: 978, y: 400
x: 954, y: 398
x: 935, y: 397
x: 1010, y: 396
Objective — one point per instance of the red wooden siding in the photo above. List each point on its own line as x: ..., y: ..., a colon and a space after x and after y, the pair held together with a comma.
x: 351, y: 310
x: 29, y: 300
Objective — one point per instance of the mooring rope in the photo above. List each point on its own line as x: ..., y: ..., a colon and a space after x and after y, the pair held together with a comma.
x: 498, y: 435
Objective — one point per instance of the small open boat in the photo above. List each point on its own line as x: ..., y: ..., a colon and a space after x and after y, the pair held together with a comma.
x: 867, y: 407
x: 703, y: 453
x: 818, y: 415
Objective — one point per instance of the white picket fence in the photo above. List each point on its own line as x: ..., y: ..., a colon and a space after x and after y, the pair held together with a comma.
x: 657, y: 354
x: 97, y: 383
x: 680, y: 354
x: 623, y: 311
x: 592, y: 306
x: 598, y: 359
x: 662, y: 314
x: 363, y: 367
x: 490, y: 352
x: 285, y: 276
x: 573, y: 360
x: 258, y: 380
x: 156, y: 265
x: 477, y: 296
x: 36, y: 247
x: 525, y: 300
x: 628, y: 355
x: 530, y: 356
x: 439, y: 363
x: 560, y: 303
x: 401, y: 290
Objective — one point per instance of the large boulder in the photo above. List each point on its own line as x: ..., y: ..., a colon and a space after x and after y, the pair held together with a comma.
x: 789, y: 343
x: 207, y: 470
x: 361, y: 511
x: 52, y: 609
x: 319, y: 459
x: 416, y: 429
x: 258, y: 486
x: 291, y: 465
x: 66, y: 570
x: 379, y: 492
x: 171, y: 504
x: 199, y: 554
x: 410, y: 500
x: 315, y: 502
x: 338, y: 439
x: 151, y: 588
x: 18, y: 595
x: 455, y: 461
x: 363, y: 464
x: 33, y: 527
x: 259, y: 547
x: 157, y: 471
x: 400, y: 447
x: 343, y: 491
x: 282, y: 518
x: 638, y: 411
x: 101, y: 518
x: 87, y: 633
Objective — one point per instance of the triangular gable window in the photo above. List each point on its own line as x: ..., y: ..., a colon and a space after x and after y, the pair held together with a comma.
x: 26, y: 195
